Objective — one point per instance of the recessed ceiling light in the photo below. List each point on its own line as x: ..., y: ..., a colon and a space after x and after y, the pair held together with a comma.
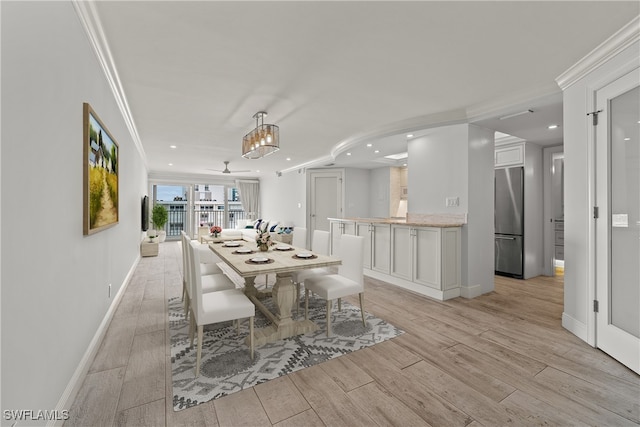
x: 627, y: 139
x: 369, y: 145
x: 398, y: 156
x: 553, y: 126
x: 288, y: 159
x: 348, y: 154
x: 172, y: 146
x: 377, y: 151
x: 404, y: 164
x: 170, y: 164
x: 258, y: 171
x: 410, y: 135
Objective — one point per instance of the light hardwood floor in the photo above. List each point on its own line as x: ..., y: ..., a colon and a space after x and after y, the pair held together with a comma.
x: 499, y: 359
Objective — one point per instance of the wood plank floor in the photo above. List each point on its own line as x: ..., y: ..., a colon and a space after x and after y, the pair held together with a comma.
x: 499, y: 359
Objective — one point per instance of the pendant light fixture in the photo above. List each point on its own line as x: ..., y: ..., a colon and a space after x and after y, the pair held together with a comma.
x: 261, y: 141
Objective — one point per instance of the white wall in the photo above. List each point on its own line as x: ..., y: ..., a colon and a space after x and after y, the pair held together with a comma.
x: 438, y: 168
x: 579, y: 285
x: 357, y: 189
x: 458, y: 161
x: 54, y: 279
x: 284, y: 198
x: 478, y: 234
x: 379, y: 192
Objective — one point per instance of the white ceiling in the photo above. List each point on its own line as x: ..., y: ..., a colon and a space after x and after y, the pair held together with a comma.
x: 337, y: 75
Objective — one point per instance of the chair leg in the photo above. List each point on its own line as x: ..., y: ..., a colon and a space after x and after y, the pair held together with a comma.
x: 329, y: 303
x: 184, y: 289
x: 306, y: 305
x: 199, y: 350
x: 297, y: 300
x: 191, y: 330
x: 251, y: 336
x: 339, y: 304
x: 362, y: 308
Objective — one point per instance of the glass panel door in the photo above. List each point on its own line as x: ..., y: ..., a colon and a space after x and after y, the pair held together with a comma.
x: 618, y: 226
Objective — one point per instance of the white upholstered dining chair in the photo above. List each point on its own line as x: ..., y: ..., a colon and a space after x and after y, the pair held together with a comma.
x: 214, y: 307
x: 319, y: 245
x: 299, y: 239
x: 212, y: 277
x: 348, y: 281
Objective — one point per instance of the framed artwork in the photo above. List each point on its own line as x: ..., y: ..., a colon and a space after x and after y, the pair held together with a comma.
x: 100, y: 174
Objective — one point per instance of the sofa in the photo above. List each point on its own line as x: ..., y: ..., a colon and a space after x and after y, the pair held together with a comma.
x: 246, y: 230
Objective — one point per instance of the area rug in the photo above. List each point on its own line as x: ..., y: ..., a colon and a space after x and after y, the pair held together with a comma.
x: 226, y: 366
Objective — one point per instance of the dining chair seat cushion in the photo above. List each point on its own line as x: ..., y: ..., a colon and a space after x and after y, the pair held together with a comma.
x: 332, y: 286
x: 216, y: 282
x: 208, y: 269
x: 225, y: 305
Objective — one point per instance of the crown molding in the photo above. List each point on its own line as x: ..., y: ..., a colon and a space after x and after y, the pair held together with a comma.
x: 622, y: 39
x: 90, y: 21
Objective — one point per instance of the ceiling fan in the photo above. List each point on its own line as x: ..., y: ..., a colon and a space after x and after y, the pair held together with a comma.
x: 226, y: 169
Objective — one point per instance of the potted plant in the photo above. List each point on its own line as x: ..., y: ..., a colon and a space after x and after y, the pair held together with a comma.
x: 159, y: 217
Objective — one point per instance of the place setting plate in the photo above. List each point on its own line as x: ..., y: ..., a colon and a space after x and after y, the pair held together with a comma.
x: 304, y: 255
x: 232, y: 244
x: 259, y: 260
x: 243, y: 251
x: 283, y: 248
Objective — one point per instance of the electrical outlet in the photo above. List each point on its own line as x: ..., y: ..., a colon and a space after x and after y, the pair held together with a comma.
x: 452, y: 202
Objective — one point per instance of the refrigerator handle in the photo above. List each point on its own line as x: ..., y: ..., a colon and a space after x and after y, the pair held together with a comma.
x: 505, y: 238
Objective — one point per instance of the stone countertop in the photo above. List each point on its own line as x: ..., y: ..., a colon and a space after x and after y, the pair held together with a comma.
x: 399, y: 221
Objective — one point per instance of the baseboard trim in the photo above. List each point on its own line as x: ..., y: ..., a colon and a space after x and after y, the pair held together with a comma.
x: 470, y: 292
x: 419, y: 289
x: 576, y: 327
x: 71, y: 391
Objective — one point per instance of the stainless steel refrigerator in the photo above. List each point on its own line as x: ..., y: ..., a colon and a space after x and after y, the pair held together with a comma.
x: 509, y: 222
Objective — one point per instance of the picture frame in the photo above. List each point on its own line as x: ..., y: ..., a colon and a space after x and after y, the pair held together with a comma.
x: 101, y: 161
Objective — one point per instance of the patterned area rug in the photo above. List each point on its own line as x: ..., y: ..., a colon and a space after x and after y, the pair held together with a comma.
x: 226, y: 366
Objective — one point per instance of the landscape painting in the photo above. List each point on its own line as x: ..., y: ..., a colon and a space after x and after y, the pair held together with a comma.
x: 100, y: 174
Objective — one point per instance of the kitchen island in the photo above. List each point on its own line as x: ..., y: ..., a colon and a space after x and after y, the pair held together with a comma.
x: 421, y: 253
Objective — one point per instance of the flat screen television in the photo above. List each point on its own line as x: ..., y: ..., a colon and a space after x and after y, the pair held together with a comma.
x: 145, y: 213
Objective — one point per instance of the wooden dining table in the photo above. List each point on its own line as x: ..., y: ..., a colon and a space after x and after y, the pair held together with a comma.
x: 282, y: 263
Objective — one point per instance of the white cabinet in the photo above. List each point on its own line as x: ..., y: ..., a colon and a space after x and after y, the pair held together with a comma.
x: 428, y: 256
x: 512, y: 155
x: 401, y: 263
x: 381, y: 248
x: 376, y: 245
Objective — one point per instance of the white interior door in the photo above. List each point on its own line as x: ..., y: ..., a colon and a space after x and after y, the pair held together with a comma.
x: 325, y: 199
x: 618, y: 225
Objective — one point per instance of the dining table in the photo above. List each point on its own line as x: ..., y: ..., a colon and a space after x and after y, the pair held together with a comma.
x: 281, y: 259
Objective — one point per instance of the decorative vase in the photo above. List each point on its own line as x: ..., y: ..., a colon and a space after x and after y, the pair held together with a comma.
x: 263, y: 248
x: 215, y: 235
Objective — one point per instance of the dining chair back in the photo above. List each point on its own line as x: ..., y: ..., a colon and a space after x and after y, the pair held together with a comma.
x: 351, y: 252
x: 214, y: 307
x: 320, y: 242
x: 299, y: 239
x: 319, y: 245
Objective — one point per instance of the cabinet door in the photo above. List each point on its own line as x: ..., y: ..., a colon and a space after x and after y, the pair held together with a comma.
x: 427, y: 257
x: 364, y: 230
x: 509, y: 156
x: 401, y: 257
x: 381, y: 241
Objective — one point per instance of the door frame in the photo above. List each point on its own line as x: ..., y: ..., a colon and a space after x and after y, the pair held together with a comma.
x: 311, y: 173
x: 611, y: 342
x: 591, y: 94
x: 549, y: 224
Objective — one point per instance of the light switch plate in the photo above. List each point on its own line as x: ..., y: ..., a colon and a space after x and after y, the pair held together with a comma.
x: 452, y: 202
